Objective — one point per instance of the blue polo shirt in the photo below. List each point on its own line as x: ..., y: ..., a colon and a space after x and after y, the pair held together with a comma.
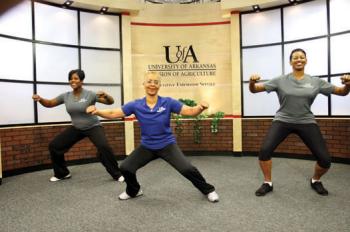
x: 155, y: 123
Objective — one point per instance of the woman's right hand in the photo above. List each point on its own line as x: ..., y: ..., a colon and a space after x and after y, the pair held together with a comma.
x: 36, y: 97
x: 254, y: 78
x: 91, y: 109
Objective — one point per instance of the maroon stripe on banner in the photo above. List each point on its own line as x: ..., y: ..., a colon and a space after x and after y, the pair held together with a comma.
x: 178, y: 24
x: 232, y: 116
x: 130, y: 119
x: 226, y: 116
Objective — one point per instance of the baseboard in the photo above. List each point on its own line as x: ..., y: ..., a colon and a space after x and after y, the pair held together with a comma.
x: 49, y: 166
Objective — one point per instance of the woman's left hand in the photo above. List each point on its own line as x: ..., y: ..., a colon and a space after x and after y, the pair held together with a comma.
x: 345, y: 80
x: 204, y: 105
x: 101, y: 94
x: 91, y: 109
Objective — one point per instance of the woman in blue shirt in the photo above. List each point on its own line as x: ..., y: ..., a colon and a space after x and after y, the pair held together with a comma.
x: 153, y: 113
x: 296, y: 92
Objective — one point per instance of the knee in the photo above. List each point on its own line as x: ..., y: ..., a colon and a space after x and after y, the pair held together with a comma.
x: 264, y: 154
x: 124, y: 168
x: 187, y: 170
x: 325, y: 163
x: 52, y: 146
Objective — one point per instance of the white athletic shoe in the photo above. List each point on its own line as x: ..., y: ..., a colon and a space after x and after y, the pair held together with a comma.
x: 54, y: 179
x: 121, y: 179
x: 213, y: 197
x: 125, y: 196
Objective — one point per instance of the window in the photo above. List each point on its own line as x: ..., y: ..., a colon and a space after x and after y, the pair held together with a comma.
x: 41, y: 64
x: 325, y: 38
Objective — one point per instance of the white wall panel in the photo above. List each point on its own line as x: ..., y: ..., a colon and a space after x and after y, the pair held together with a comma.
x: 16, y: 59
x: 16, y: 104
x: 17, y: 20
x: 340, y: 104
x: 99, y: 30
x: 55, y: 114
x: 305, y: 20
x: 55, y: 24
x: 339, y: 15
x: 261, y: 28
x: 259, y: 104
x: 340, y: 50
x: 265, y: 61
x: 101, y: 66
x: 54, y: 62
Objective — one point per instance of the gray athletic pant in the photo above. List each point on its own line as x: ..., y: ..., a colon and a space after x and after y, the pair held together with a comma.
x: 171, y: 154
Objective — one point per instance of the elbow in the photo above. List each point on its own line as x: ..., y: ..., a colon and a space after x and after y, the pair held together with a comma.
x: 110, y: 102
x: 252, y: 90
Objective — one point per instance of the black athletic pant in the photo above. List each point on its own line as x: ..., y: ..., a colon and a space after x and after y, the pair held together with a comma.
x: 309, y: 133
x: 65, y: 140
x: 171, y: 154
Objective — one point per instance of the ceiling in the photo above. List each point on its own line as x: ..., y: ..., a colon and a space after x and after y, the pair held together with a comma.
x: 119, y: 6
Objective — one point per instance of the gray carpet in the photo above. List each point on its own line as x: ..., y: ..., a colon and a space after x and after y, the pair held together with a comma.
x: 88, y: 201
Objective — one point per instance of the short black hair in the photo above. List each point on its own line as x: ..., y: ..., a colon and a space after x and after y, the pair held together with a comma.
x: 296, y: 50
x: 79, y: 72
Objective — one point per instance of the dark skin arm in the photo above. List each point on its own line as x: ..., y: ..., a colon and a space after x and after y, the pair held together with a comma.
x: 104, y: 98
x: 254, y: 86
x: 345, y: 89
x: 45, y: 102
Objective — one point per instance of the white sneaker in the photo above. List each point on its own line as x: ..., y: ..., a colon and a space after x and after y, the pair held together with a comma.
x: 54, y: 179
x: 121, y: 179
x: 213, y: 197
x: 125, y: 196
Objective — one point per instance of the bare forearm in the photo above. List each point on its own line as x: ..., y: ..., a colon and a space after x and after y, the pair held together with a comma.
x: 192, y: 111
x: 46, y: 102
x: 342, y: 91
x: 109, y: 113
x: 252, y: 86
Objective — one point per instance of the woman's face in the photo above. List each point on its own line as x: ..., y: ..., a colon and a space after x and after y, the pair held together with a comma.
x: 75, y: 82
x: 298, y: 61
x: 151, y: 84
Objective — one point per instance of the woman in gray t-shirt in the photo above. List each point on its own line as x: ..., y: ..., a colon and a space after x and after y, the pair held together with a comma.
x: 83, y: 125
x: 296, y: 92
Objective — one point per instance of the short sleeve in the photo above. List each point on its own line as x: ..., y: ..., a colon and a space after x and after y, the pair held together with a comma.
x: 60, y: 98
x: 175, y: 106
x: 272, y: 85
x: 326, y: 88
x: 128, y: 108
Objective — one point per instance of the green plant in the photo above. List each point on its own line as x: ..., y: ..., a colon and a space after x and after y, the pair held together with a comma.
x: 214, y: 126
x: 178, y: 124
x: 197, y: 128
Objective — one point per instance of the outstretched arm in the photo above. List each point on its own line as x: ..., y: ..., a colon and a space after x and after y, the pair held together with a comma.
x: 255, y: 87
x: 106, y: 113
x: 45, y: 102
x: 194, y: 110
x: 345, y: 89
x: 104, y: 98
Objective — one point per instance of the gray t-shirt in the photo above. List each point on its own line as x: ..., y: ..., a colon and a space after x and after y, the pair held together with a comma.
x: 76, y: 108
x: 296, y: 96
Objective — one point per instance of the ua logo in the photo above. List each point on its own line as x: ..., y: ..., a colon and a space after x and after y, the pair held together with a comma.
x: 182, y: 54
x: 161, y: 109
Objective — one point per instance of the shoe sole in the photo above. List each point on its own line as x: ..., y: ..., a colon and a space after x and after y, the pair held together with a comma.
x: 261, y: 195
x: 64, y: 178
x: 322, y: 194
x: 138, y: 195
